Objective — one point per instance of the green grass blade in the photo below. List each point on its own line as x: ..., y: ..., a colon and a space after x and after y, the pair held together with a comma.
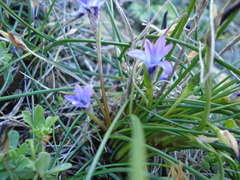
x: 138, y: 152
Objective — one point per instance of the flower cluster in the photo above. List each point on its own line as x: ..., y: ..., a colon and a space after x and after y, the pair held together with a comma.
x: 153, y: 55
x: 81, y: 97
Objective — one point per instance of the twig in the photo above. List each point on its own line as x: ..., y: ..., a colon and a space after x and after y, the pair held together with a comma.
x: 229, y: 45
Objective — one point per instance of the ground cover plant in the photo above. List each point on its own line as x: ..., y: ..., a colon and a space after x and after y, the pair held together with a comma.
x: 116, y: 89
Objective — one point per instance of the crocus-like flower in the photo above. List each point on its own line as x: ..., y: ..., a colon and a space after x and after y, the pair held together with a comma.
x: 154, y: 55
x: 90, y: 6
x: 81, y: 97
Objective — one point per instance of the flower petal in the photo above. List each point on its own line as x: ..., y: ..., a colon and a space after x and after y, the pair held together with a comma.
x: 82, y: 8
x: 83, y: 2
x: 160, y: 49
x: 88, y: 90
x: 162, y: 77
x: 81, y: 97
x: 78, y: 91
x: 160, y: 44
x: 81, y: 104
x: 94, y: 10
x: 167, y: 67
x: 167, y: 49
x: 139, y: 54
x: 151, y: 69
x: 99, y: 3
x: 149, y: 52
x: 70, y: 98
x: 86, y: 105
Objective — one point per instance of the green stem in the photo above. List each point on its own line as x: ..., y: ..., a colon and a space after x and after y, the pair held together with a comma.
x: 110, y: 13
x: 210, y: 46
x: 64, y: 41
x: 181, y: 97
x: 149, y: 86
x: 194, y: 81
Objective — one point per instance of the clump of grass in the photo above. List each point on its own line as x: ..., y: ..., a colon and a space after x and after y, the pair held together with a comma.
x: 149, y: 102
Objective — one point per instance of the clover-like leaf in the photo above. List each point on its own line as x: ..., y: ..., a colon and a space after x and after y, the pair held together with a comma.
x: 38, y: 117
x: 50, y: 121
x: 27, y: 118
x: 42, y: 163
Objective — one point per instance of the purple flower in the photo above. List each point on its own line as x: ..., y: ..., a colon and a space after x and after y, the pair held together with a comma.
x: 154, y: 55
x: 81, y: 97
x: 90, y: 6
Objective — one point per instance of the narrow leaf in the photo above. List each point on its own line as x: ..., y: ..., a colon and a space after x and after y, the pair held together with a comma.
x: 60, y: 168
x: 138, y: 153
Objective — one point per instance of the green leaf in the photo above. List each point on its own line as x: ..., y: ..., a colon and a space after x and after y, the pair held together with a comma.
x: 50, y: 121
x: 13, y: 138
x: 205, y: 164
x: 123, y: 151
x: 4, y: 56
x: 38, y: 118
x: 12, y: 154
x: 42, y: 163
x: 7, y: 75
x: 194, y: 81
x: 225, y: 24
x: 46, y: 131
x: 138, y: 152
x: 60, y: 168
x: 27, y: 118
x: 7, y: 57
x: 230, y: 124
x: 23, y: 163
x: 1, y: 164
x: 3, y: 175
x: 37, y: 132
x: 50, y: 178
x: 26, y: 173
x: 23, y: 149
x: 216, y: 177
x: 2, y: 46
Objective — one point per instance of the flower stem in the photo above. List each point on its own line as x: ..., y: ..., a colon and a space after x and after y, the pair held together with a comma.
x: 96, y: 120
x: 100, y: 70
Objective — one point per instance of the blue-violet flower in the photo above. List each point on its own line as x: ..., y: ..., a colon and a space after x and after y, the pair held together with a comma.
x: 81, y: 97
x: 90, y: 6
x: 154, y: 55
